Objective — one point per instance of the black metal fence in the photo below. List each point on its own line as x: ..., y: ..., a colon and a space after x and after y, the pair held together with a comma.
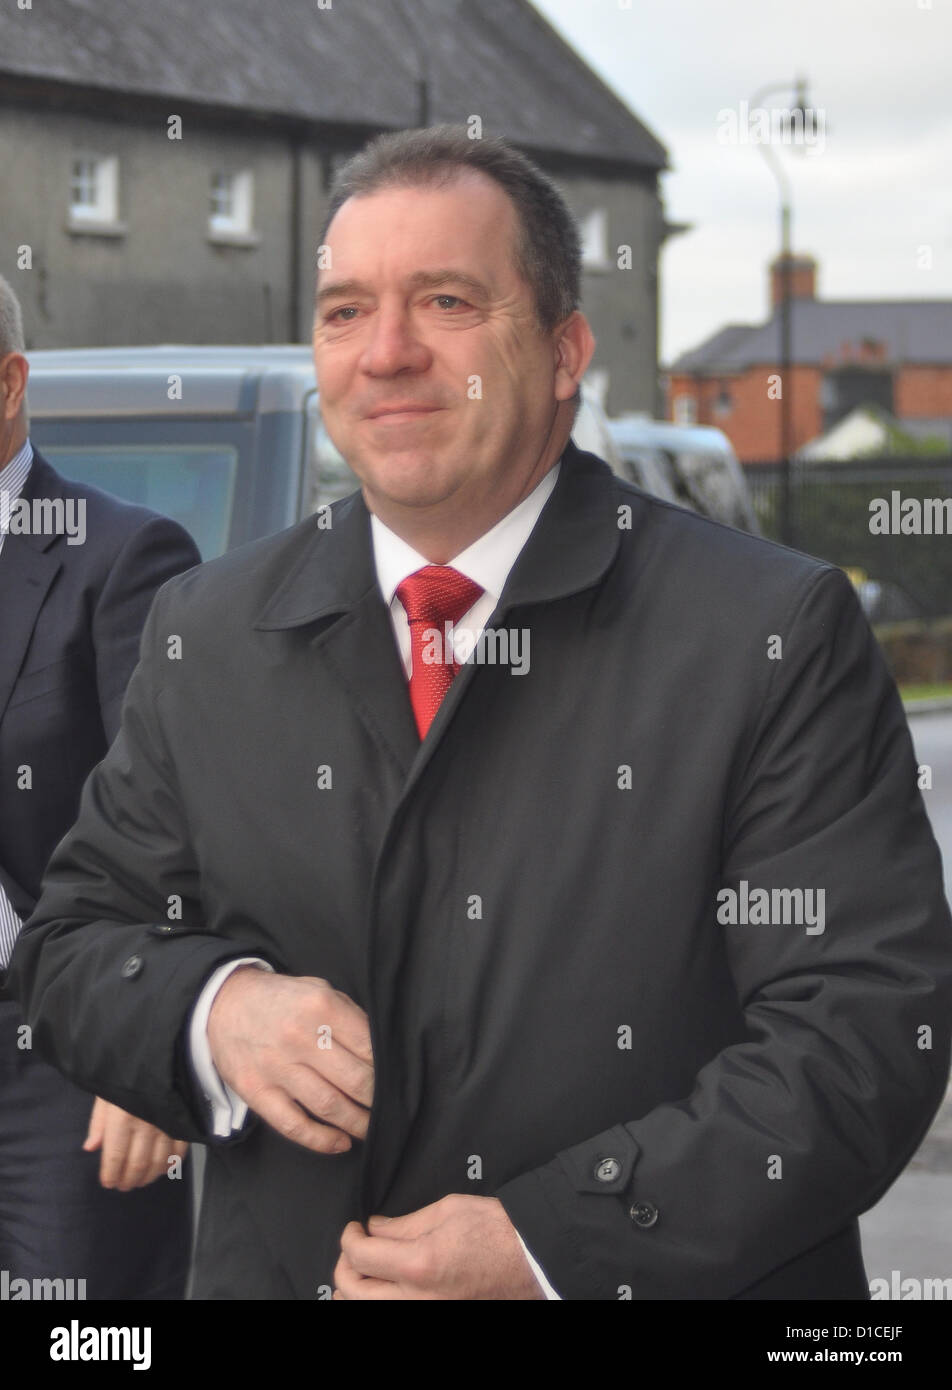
x: 886, y: 520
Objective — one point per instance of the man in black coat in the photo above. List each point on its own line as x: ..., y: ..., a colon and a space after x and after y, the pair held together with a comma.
x: 78, y: 572
x: 610, y: 962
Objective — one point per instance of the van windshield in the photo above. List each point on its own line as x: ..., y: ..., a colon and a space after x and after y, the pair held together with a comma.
x: 192, y: 480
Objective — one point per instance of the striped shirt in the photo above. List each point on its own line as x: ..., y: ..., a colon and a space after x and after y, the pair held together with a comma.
x: 13, y: 476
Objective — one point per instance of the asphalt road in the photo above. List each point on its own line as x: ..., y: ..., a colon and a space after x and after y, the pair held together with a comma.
x: 910, y: 1229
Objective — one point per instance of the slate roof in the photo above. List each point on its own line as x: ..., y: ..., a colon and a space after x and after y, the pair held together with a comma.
x: 913, y: 330
x: 356, y: 63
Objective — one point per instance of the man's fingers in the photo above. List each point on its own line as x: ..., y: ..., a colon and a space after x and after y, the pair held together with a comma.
x: 97, y: 1124
x: 115, y: 1141
x: 326, y: 1102
x: 373, y: 1290
x: 165, y: 1149
x: 353, y: 1026
x: 415, y: 1223
x: 348, y: 1072
x: 377, y: 1257
x: 350, y: 1284
x: 278, y: 1110
x: 137, y: 1168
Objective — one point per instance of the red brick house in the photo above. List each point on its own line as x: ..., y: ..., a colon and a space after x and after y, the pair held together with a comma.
x: 893, y: 353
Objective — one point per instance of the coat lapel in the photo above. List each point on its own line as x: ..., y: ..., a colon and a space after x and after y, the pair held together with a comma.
x: 571, y: 546
x: 335, y: 589
x: 28, y: 566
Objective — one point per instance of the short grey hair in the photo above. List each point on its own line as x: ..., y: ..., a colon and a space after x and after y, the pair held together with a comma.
x: 548, y: 250
x: 11, y: 320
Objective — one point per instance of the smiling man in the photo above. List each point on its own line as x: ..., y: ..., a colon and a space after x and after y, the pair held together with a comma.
x: 440, y: 386
x: 446, y: 976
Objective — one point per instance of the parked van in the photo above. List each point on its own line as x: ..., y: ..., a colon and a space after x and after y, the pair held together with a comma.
x: 692, y: 465
x: 226, y: 440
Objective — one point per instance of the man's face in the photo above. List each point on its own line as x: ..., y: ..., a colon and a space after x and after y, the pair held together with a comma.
x: 423, y: 315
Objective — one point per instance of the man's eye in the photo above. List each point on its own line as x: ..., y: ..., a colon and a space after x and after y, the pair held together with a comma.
x: 345, y: 309
x: 453, y: 299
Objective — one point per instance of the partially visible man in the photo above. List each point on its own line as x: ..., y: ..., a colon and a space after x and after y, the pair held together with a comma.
x: 78, y: 572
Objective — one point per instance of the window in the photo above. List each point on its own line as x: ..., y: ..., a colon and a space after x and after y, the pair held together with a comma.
x: 94, y: 192
x: 685, y: 410
x: 593, y: 231
x: 231, y: 206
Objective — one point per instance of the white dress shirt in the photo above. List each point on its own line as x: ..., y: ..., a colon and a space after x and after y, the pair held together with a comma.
x: 487, y: 562
x: 13, y: 475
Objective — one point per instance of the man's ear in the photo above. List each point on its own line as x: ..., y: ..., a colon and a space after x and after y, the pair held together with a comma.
x: 575, y: 347
x: 14, y: 370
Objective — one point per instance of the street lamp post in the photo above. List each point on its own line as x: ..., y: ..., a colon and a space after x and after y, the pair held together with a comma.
x: 785, y: 510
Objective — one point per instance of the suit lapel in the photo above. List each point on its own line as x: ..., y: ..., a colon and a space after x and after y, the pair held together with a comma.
x: 28, y: 566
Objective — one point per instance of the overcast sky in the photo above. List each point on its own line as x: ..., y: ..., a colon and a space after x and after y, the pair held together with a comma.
x: 876, y: 188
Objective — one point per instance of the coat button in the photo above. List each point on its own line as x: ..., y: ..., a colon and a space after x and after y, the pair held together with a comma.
x: 644, y: 1214
x: 133, y: 967
x: 608, y: 1170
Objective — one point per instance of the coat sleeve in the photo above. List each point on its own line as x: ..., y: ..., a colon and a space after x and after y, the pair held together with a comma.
x: 106, y: 978
x: 791, y: 1133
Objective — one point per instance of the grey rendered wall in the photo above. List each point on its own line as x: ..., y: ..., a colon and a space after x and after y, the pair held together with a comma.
x: 161, y: 280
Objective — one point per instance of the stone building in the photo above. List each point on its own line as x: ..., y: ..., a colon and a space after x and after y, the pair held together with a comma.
x: 165, y: 166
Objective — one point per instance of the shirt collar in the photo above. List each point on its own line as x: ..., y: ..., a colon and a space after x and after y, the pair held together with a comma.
x: 13, y: 476
x: 487, y: 561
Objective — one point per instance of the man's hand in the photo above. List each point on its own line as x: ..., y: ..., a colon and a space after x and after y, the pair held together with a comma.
x: 134, y: 1153
x: 297, y: 1051
x: 460, y: 1247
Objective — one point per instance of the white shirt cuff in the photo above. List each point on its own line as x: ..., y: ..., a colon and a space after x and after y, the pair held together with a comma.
x: 228, y: 1110
x: 544, y: 1284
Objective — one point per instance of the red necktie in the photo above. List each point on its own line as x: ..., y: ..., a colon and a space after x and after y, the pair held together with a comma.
x: 433, y: 596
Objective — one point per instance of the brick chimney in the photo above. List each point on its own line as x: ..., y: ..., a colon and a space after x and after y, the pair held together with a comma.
x: 802, y: 279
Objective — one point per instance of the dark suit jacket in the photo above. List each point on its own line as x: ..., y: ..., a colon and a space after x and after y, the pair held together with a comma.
x: 533, y: 932
x: 71, y: 617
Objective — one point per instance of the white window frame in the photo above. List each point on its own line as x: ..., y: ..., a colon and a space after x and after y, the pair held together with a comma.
x: 235, y: 191
x: 98, y: 175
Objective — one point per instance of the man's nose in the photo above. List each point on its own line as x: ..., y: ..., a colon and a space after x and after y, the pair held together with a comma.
x: 393, y: 345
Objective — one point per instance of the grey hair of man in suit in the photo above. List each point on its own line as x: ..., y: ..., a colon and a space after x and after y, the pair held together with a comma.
x: 14, y: 370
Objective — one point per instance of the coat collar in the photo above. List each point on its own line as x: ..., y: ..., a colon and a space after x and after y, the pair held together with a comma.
x: 572, y: 545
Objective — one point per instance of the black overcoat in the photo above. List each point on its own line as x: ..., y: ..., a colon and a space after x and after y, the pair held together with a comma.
x: 526, y: 904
